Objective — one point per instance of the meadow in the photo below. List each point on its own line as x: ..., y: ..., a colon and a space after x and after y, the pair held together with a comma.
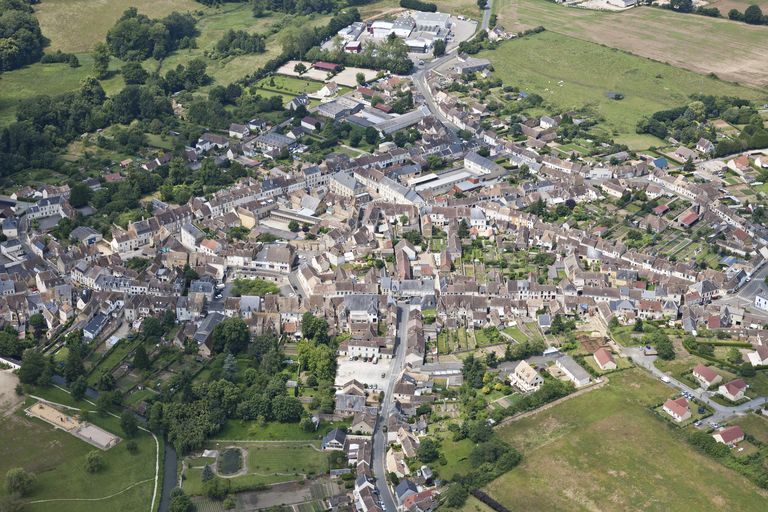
x: 734, y: 51
x: 572, y: 74
x: 77, y: 25
x: 57, y: 458
x: 605, y: 450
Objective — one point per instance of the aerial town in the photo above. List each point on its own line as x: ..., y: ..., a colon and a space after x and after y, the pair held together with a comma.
x: 396, y: 267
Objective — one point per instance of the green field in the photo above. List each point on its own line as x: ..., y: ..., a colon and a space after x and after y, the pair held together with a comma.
x: 606, y: 451
x: 237, y: 17
x: 572, y: 74
x: 57, y: 459
x: 735, y: 51
x: 48, y: 79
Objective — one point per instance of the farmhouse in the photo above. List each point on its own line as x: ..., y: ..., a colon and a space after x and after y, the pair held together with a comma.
x: 734, y: 390
x: 678, y: 409
x: 706, y: 376
x: 604, y: 359
x: 729, y: 435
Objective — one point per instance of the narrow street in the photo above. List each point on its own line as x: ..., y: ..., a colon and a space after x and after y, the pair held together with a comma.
x: 379, y: 435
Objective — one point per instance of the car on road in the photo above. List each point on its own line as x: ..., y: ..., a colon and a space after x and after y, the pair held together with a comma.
x: 665, y: 379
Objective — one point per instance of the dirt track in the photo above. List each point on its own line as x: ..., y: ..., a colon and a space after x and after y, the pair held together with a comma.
x: 9, y: 400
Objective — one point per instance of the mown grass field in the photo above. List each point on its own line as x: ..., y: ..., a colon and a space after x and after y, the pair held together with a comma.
x: 571, y: 74
x: 57, y: 458
x: 735, y: 51
x: 605, y: 450
x: 241, y: 430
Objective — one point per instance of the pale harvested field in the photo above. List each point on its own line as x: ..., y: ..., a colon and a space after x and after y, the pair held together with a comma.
x: 8, y: 397
x: 77, y: 25
x: 734, y: 51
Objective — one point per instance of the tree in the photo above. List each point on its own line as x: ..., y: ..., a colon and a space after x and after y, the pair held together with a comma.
x: 734, y: 356
x: 689, y: 166
x: 140, y: 358
x: 473, y: 371
x: 79, y: 195
x: 665, y: 349
x: 94, y: 462
x: 128, y: 424
x: 438, y: 49
x: 134, y: 73
x: 754, y: 15
x: 32, y: 366
x: 78, y: 388
x: 300, y: 68
x: 132, y: 447
x: 180, y: 502
x: 229, y: 368
x: 638, y: 325
x: 231, y: 335
x: 19, y: 481
x: 74, y: 367
x: 206, y: 474
x: 428, y: 450
x: 360, y: 78
x: 371, y: 135
x: 37, y: 321
x: 456, y: 495
x: 293, y: 226
x: 482, y: 4
x: 101, y: 60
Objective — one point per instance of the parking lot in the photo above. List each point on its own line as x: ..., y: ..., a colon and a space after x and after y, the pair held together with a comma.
x: 365, y: 372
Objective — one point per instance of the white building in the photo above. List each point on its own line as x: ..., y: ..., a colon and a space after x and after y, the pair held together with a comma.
x: 526, y: 378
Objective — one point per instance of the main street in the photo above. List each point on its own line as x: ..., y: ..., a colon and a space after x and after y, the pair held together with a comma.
x: 379, y: 435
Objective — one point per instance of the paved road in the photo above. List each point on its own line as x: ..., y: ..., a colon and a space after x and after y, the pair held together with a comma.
x: 379, y: 436
x: 721, y: 412
x: 420, y: 77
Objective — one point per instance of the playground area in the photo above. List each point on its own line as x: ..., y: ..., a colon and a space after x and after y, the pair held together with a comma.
x: 88, y: 432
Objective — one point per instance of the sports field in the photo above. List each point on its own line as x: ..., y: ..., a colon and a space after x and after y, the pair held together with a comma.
x: 572, y: 74
x: 605, y: 451
x: 734, y: 51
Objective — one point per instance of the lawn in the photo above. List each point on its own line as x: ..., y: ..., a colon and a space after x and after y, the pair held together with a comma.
x: 57, y: 459
x: 572, y: 74
x: 605, y: 450
x: 754, y: 425
x: 266, y: 464
x: 456, y: 456
x: 734, y: 51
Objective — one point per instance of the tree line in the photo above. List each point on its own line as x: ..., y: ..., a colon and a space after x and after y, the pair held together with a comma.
x: 21, y: 41
x: 137, y: 37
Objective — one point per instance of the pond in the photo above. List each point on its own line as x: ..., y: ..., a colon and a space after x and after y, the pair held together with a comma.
x: 230, y: 461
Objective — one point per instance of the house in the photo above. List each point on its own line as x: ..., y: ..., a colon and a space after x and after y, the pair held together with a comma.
x: 573, y: 371
x: 734, y: 390
x: 273, y: 141
x: 759, y: 357
x: 678, y: 409
x: 334, y: 440
x: 526, y: 378
x: 363, y: 422
x: 302, y: 100
x: 688, y: 219
x: 706, y: 376
x: 480, y: 165
x: 604, y: 359
x: 95, y: 326
x: 729, y: 435
x: 311, y: 123
x: 761, y: 301
x: 329, y: 89
x: 705, y: 146
x: 238, y: 131
x: 405, y: 489
x: 85, y: 235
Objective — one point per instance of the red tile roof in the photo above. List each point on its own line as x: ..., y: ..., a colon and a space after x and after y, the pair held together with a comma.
x: 603, y: 356
x: 679, y: 406
x: 731, y: 434
x: 705, y: 372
